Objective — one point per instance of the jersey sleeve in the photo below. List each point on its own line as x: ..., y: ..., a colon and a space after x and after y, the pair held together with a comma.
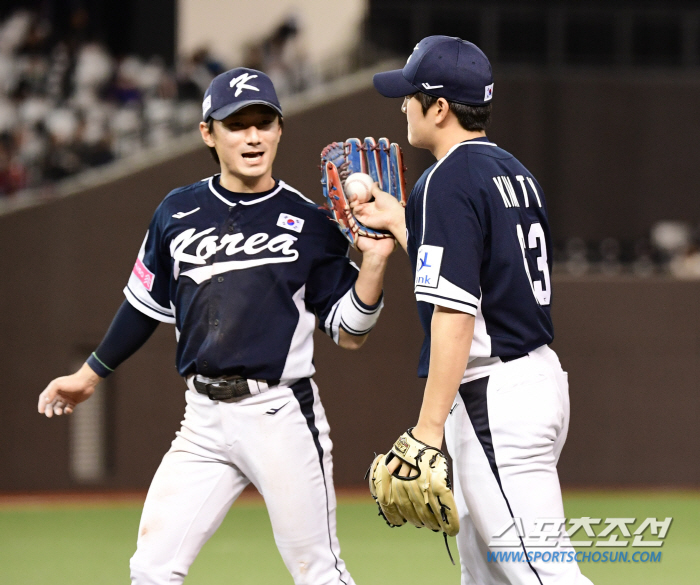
x: 450, y: 245
x: 332, y: 278
x: 149, y: 282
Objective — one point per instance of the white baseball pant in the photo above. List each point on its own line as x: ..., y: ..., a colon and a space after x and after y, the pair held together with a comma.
x: 278, y: 440
x: 505, y: 433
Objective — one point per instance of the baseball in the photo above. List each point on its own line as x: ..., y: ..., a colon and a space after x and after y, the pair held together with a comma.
x: 359, y: 186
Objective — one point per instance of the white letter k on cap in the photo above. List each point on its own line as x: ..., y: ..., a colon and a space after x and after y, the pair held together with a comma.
x: 240, y: 81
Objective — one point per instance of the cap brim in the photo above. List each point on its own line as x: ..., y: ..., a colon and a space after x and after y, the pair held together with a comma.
x: 226, y: 111
x: 393, y: 84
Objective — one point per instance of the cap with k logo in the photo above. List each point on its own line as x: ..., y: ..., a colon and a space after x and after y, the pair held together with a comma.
x: 235, y: 89
x: 441, y: 66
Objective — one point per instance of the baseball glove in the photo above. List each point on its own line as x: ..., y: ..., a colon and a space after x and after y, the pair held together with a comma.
x: 423, y: 498
x: 381, y: 160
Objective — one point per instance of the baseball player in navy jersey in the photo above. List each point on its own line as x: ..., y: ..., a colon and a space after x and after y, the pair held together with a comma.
x: 242, y: 264
x: 476, y: 232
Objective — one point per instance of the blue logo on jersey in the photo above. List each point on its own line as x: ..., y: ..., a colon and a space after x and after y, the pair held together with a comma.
x: 424, y: 262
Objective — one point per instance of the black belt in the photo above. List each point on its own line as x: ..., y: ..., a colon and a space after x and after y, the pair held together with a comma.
x: 227, y: 388
x: 510, y: 358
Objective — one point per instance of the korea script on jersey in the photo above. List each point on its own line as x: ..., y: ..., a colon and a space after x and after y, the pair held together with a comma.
x: 232, y: 244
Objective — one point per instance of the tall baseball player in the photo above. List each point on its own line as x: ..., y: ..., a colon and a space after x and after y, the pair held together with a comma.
x: 476, y: 231
x: 242, y: 264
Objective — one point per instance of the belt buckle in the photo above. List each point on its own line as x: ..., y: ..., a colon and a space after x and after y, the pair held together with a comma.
x: 226, y: 389
x: 218, y: 390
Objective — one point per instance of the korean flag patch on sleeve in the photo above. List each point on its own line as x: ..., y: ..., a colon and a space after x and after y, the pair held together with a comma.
x: 290, y: 222
x: 428, y: 266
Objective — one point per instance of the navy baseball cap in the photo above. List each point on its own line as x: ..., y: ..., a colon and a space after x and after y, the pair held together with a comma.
x: 235, y: 89
x: 445, y: 67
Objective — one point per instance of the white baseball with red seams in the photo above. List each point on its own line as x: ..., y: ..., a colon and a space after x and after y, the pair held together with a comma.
x: 359, y: 185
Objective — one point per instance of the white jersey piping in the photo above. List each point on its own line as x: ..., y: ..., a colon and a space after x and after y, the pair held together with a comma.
x: 293, y: 190
x: 253, y: 201
x: 211, y: 188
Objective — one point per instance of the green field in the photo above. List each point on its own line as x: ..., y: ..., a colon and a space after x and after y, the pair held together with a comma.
x: 74, y: 545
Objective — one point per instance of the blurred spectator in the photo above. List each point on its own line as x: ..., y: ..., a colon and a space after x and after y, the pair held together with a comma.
x: 195, y: 74
x: 671, y: 237
x: 67, y: 104
x: 643, y: 263
x: 577, y: 257
x: 672, y: 248
x: 610, y: 264
x: 12, y: 172
x: 679, y: 246
x: 687, y: 264
x: 281, y: 56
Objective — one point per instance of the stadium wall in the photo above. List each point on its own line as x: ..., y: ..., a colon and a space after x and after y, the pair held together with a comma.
x: 630, y: 345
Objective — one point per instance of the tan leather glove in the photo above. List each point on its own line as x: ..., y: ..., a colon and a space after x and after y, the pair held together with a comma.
x: 423, y: 498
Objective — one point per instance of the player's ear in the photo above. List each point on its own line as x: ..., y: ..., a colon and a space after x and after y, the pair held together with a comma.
x: 206, y: 133
x: 442, y: 109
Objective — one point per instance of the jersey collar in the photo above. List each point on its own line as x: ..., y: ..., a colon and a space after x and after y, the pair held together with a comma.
x: 480, y: 140
x: 483, y: 140
x: 232, y: 199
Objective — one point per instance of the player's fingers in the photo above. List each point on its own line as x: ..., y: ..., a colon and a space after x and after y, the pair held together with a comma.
x: 68, y: 406
x: 404, y: 469
x: 393, y: 465
x: 377, y: 193
x: 42, y: 403
x: 47, y: 396
x: 361, y: 209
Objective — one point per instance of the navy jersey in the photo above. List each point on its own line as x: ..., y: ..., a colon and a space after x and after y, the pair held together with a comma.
x: 479, y: 242
x: 242, y: 277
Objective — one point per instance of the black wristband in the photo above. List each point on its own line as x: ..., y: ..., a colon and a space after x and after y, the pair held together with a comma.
x: 361, y: 305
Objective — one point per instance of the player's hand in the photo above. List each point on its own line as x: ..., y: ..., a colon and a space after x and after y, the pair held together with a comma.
x: 381, y: 248
x: 384, y: 212
x: 63, y: 394
x: 433, y: 439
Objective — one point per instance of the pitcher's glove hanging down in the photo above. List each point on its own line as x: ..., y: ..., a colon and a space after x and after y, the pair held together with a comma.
x: 381, y: 160
x: 424, y: 497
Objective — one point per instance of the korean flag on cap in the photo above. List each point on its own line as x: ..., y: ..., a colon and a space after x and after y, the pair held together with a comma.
x: 290, y: 222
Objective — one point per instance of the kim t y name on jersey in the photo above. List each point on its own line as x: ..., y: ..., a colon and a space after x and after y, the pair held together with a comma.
x: 479, y: 242
x: 242, y: 277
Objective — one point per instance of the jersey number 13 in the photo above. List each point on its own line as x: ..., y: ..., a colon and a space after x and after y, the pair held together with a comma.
x: 536, y: 242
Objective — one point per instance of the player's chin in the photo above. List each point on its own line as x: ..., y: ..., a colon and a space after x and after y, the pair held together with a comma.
x: 254, y: 168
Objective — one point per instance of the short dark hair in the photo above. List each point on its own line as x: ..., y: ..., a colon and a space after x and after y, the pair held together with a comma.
x: 472, y: 118
x: 212, y: 150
